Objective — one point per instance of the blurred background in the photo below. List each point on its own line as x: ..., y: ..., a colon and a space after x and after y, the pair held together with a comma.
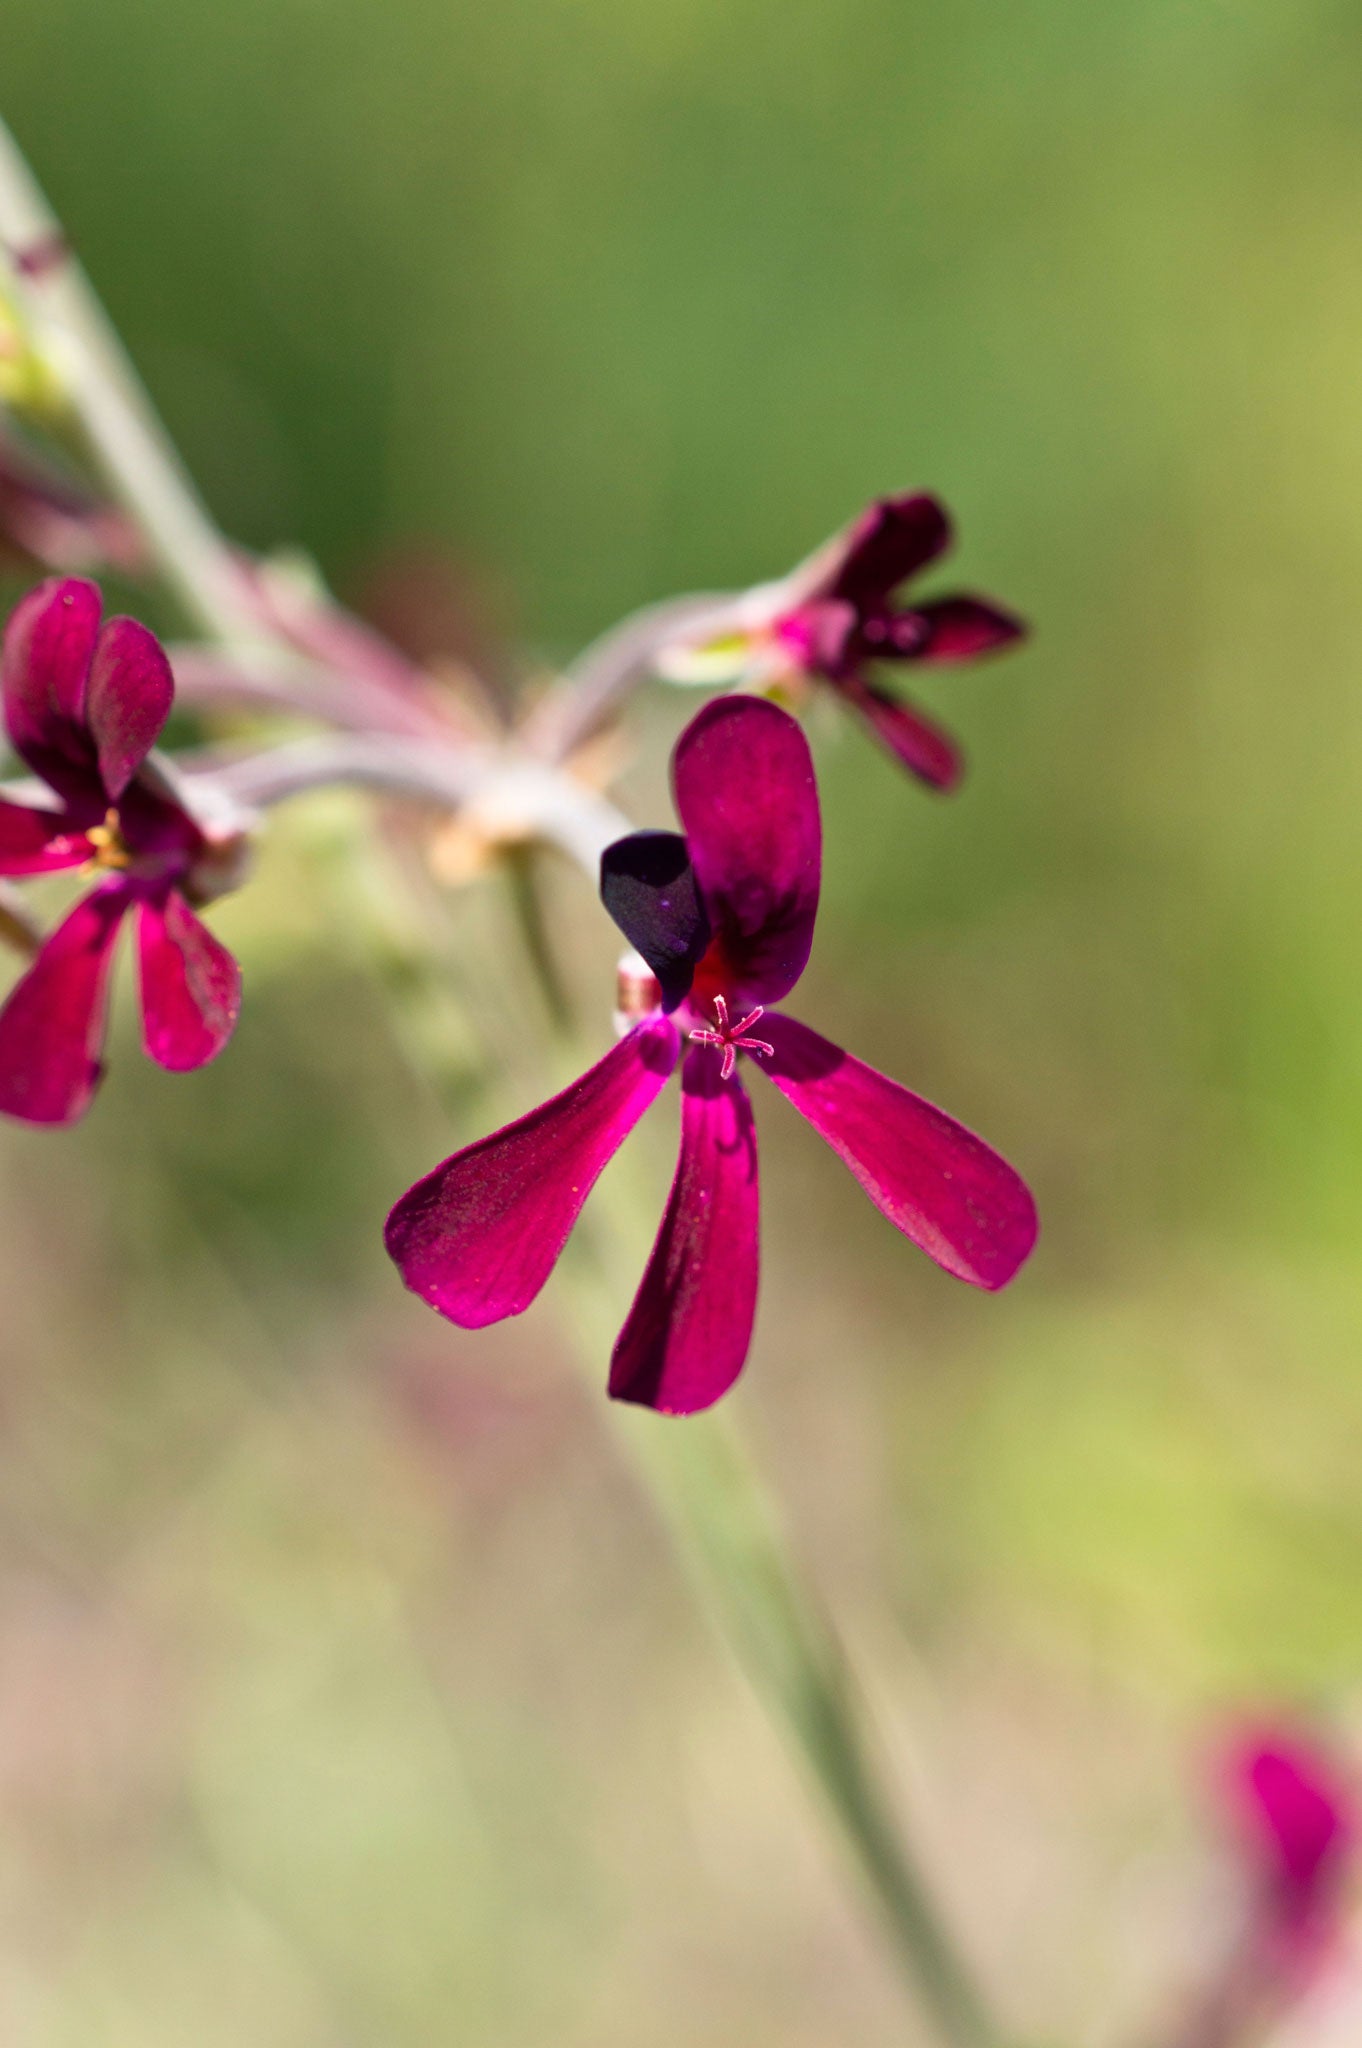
x: 348, y: 1691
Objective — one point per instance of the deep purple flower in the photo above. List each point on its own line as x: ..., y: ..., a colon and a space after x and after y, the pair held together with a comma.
x: 1301, y: 1834
x: 84, y: 704
x: 724, y: 920
x: 834, y: 619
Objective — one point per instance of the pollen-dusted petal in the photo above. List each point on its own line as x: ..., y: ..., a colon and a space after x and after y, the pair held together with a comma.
x: 648, y: 886
x: 52, y: 1026
x: 127, y: 700
x: 920, y: 744
x: 963, y: 628
x: 479, y: 1236
x: 48, y: 647
x: 37, y: 842
x: 687, y: 1334
x: 933, y: 1179
x: 191, y: 986
x: 891, y: 541
x: 744, y: 784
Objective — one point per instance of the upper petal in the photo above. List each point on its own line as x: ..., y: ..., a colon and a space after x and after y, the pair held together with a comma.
x: 479, y: 1236
x: 49, y: 644
x: 52, y: 1026
x: 922, y: 745
x: 744, y: 784
x: 127, y: 700
x: 941, y: 1186
x: 686, y: 1337
x: 891, y: 541
x: 191, y: 986
x: 648, y: 886
x: 37, y: 842
x: 962, y: 628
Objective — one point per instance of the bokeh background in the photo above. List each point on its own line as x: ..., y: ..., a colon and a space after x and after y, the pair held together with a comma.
x: 348, y: 1691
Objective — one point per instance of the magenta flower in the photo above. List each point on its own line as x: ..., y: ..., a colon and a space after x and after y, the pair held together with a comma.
x: 724, y: 919
x: 1302, y: 1838
x: 83, y: 705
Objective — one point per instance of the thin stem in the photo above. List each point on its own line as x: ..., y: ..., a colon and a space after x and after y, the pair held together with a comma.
x: 597, y: 683
x: 126, y: 439
x: 510, y: 798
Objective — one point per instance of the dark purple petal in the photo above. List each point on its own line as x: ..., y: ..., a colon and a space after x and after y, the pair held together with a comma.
x: 890, y: 542
x: 52, y: 1026
x: 35, y: 842
x: 479, y: 1236
x: 933, y: 1179
x: 744, y: 783
x: 191, y: 986
x: 962, y: 628
x: 921, y: 745
x: 648, y: 886
x: 127, y: 700
x: 687, y: 1334
x: 49, y: 644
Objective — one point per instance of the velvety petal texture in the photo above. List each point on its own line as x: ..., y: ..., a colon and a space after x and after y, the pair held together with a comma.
x: 35, y: 842
x: 127, y: 700
x: 921, y: 745
x: 52, y: 1026
x: 939, y: 1184
x: 648, y: 886
x: 191, y: 986
x: 744, y: 785
x: 687, y: 1334
x: 48, y: 648
x: 479, y: 1236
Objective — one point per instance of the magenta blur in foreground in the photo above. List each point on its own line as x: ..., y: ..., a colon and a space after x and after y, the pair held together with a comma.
x: 724, y: 918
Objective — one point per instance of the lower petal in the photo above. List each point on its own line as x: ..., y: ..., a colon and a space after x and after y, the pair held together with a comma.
x: 36, y: 842
x: 191, y: 986
x: 923, y: 747
x: 933, y: 1179
x: 479, y: 1236
x: 688, y: 1332
x: 52, y: 1026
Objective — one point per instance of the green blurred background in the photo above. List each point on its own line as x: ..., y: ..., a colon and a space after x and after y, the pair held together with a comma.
x: 348, y: 1694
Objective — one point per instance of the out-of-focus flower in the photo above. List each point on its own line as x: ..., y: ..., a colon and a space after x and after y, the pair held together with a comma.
x: 834, y: 619
x: 84, y: 703
x: 723, y: 921
x: 1300, y: 1831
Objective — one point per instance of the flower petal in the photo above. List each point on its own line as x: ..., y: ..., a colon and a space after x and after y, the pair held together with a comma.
x: 37, y: 842
x: 191, y: 986
x: 48, y: 647
x: 52, y: 1026
x: 962, y: 628
x: 127, y: 701
x: 744, y: 784
x: 479, y: 1236
x: 922, y: 746
x: 890, y: 542
x: 933, y: 1179
x: 648, y: 886
x: 687, y: 1335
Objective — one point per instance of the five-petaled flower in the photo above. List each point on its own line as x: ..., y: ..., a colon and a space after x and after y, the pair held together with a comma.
x: 834, y: 619
x: 724, y: 919
x: 84, y: 704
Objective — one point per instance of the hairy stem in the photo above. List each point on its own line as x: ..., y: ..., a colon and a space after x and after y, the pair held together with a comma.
x: 126, y: 440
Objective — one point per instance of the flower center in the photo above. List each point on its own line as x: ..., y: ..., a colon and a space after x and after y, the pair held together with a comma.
x: 731, y: 1038
x: 111, y: 849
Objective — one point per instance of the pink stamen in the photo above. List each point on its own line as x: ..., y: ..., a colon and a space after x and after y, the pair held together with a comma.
x: 731, y: 1039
